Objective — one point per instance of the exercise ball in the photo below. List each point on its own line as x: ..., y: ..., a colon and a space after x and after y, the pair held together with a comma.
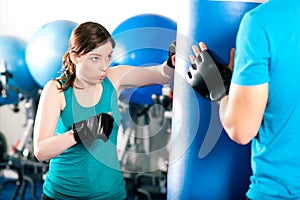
x: 46, y: 48
x: 18, y: 77
x: 11, y: 98
x: 143, y: 40
x: 204, y: 163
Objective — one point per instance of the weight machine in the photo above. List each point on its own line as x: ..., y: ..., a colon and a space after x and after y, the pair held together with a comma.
x: 143, y: 143
x: 18, y: 165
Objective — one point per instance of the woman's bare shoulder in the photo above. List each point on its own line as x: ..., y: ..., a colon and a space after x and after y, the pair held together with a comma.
x: 52, y: 85
x: 52, y: 91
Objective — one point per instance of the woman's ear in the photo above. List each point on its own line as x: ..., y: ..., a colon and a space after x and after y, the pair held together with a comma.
x: 74, y: 58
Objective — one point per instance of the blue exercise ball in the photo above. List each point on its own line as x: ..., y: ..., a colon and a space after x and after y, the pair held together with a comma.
x: 12, y: 98
x: 143, y: 40
x: 46, y: 48
x: 19, y: 79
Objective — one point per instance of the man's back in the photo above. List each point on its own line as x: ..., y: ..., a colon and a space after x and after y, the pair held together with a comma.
x: 268, y: 46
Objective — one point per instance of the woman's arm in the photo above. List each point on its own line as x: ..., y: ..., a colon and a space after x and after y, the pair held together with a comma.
x: 129, y: 76
x: 46, y: 144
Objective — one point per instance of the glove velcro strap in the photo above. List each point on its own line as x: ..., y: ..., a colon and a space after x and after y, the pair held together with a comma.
x: 76, y: 135
x: 169, y: 63
x: 172, y: 51
x: 106, y: 125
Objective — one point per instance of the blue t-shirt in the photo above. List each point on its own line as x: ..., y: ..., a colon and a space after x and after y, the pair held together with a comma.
x: 267, y: 51
x: 88, y: 170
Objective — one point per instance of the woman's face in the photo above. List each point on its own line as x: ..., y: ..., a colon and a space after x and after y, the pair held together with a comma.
x: 92, y: 67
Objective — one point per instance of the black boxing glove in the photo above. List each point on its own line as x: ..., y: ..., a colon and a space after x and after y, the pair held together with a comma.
x: 210, y: 79
x: 172, y: 51
x: 99, y: 126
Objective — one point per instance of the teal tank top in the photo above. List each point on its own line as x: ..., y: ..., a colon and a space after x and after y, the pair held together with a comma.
x: 88, y: 170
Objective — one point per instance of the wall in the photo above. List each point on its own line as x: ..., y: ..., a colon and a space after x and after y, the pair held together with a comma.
x: 22, y: 18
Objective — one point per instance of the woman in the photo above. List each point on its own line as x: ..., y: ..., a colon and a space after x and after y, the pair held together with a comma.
x: 87, y: 88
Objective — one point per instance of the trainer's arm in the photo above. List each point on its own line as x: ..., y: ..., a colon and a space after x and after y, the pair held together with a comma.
x: 241, y: 112
x: 46, y: 144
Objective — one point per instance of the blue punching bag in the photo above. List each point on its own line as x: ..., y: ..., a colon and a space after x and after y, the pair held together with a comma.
x: 204, y: 162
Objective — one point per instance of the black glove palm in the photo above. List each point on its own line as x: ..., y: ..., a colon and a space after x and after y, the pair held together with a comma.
x: 210, y: 79
x: 99, y: 126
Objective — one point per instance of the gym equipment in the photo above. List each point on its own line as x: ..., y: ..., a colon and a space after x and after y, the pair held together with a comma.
x: 16, y: 84
x: 43, y: 55
x: 204, y: 163
x: 12, y: 98
x: 143, y: 40
x: 20, y: 159
x: 46, y: 48
x: 15, y: 77
x: 145, y: 143
x: 150, y: 185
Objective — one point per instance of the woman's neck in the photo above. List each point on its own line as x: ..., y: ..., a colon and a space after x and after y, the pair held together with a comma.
x: 87, y: 94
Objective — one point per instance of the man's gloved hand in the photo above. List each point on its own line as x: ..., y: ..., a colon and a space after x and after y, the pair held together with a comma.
x: 210, y: 79
x: 172, y: 52
x: 99, y: 126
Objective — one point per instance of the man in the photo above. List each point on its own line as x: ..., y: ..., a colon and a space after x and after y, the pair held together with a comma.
x: 263, y: 103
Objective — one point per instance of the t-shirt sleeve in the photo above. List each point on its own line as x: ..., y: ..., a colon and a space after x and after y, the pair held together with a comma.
x: 251, y: 62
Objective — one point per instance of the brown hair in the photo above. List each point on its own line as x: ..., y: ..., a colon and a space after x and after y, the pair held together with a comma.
x: 84, y: 38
